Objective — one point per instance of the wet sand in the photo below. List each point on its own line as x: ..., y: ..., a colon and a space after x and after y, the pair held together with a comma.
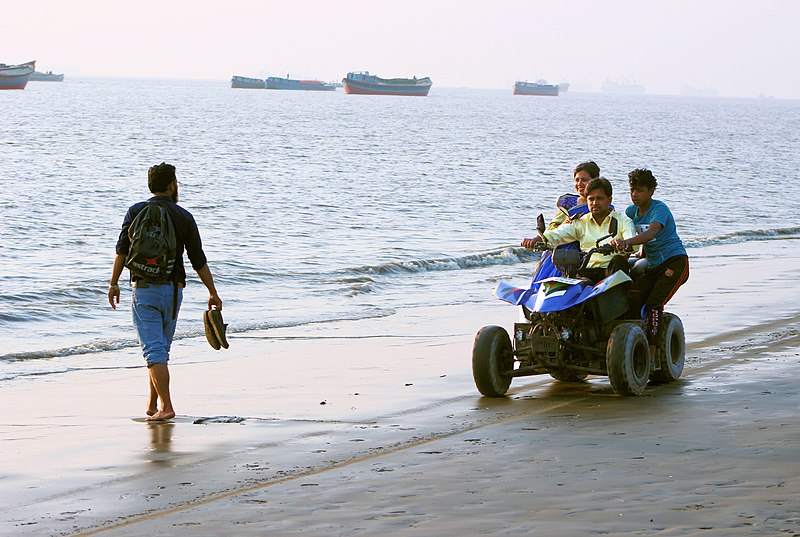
x: 715, y: 455
x: 382, y: 432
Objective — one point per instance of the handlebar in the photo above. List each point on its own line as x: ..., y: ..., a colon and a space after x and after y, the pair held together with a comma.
x: 606, y: 249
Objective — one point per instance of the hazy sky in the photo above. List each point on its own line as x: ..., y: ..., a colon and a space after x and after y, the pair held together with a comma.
x: 740, y: 48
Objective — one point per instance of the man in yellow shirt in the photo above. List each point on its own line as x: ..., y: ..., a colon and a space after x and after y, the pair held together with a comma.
x: 592, y: 226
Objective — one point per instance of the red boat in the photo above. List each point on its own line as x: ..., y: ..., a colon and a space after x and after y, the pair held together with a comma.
x: 367, y: 84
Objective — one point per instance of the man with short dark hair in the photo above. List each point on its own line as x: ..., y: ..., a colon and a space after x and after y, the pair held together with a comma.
x: 590, y: 227
x: 155, y: 306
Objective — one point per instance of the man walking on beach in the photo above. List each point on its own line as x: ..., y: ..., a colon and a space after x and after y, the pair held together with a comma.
x: 156, y: 301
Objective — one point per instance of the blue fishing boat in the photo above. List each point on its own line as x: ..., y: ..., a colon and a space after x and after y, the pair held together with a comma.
x: 247, y: 82
x: 363, y: 83
x: 16, y: 76
x: 287, y: 83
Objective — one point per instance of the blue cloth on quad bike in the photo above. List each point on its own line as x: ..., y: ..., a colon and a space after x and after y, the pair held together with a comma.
x: 545, y: 268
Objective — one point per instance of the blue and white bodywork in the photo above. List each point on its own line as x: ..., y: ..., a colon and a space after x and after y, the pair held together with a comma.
x: 557, y: 293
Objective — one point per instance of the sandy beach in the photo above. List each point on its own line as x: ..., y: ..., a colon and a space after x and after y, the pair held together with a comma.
x: 382, y: 432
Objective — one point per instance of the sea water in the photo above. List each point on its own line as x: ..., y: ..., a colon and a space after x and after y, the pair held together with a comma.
x: 316, y: 207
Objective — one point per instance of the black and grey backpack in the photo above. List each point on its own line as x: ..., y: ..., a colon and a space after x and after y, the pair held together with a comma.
x: 153, y: 245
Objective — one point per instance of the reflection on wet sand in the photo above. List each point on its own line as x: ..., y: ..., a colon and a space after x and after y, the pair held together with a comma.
x: 160, y: 441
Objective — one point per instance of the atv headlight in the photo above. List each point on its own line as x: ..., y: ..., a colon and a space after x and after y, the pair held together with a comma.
x: 566, y: 333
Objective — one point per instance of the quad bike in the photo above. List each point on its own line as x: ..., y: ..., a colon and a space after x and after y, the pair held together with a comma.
x: 573, y: 329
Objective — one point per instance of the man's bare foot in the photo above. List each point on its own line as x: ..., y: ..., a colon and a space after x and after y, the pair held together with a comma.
x: 152, y: 408
x: 162, y: 415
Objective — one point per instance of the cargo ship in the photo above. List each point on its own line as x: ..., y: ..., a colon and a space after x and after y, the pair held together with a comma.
x: 630, y: 88
x: 247, y: 82
x: 363, y: 83
x: 49, y: 76
x: 16, y: 76
x: 287, y: 83
x: 540, y: 87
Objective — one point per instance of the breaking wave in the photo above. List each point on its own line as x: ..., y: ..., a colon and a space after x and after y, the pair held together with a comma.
x: 511, y: 255
x: 508, y: 255
x: 744, y: 236
x: 124, y: 343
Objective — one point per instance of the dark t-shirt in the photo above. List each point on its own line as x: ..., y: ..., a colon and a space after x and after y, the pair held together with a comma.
x: 186, y: 233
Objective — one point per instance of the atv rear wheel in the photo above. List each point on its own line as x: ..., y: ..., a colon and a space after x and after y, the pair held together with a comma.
x: 671, y: 349
x: 492, y: 356
x: 628, y: 359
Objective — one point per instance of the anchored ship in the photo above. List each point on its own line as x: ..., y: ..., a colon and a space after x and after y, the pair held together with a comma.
x: 16, y: 76
x: 631, y: 88
x: 363, y: 83
x: 274, y: 82
x: 287, y: 83
x: 540, y: 87
x: 49, y: 76
x: 247, y: 82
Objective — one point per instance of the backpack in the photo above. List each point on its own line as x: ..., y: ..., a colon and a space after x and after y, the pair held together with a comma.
x: 153, y: 248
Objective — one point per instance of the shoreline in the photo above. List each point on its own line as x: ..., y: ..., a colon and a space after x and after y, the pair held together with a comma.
x: 749, y: 299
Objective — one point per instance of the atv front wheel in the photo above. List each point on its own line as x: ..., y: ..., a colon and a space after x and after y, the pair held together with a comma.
x: 628, y: 359
x: 671, y: 350
x: 492, y: 356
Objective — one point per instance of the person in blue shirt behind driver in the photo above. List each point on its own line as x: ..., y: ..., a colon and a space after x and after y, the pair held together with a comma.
x: 667, y: 261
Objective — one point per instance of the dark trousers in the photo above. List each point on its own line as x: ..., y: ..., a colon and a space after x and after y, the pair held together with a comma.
x: 617, y: 262
x: 654, y: 289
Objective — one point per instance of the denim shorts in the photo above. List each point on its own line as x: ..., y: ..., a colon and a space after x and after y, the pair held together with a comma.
x: 152, y: 316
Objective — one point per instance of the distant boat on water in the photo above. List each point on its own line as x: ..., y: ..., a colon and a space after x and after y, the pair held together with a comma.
x: 278, y: 83
x: 49, y: 76
x: 540, y: 87
x: 363, y: 83
x: 631, y: 88
x: 16, y: 76
x: 247, y: 82
x: 563, y: 87
x: 287, y: 83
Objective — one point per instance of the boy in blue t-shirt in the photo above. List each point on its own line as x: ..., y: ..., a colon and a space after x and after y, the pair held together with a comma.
x: 668, y: 264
